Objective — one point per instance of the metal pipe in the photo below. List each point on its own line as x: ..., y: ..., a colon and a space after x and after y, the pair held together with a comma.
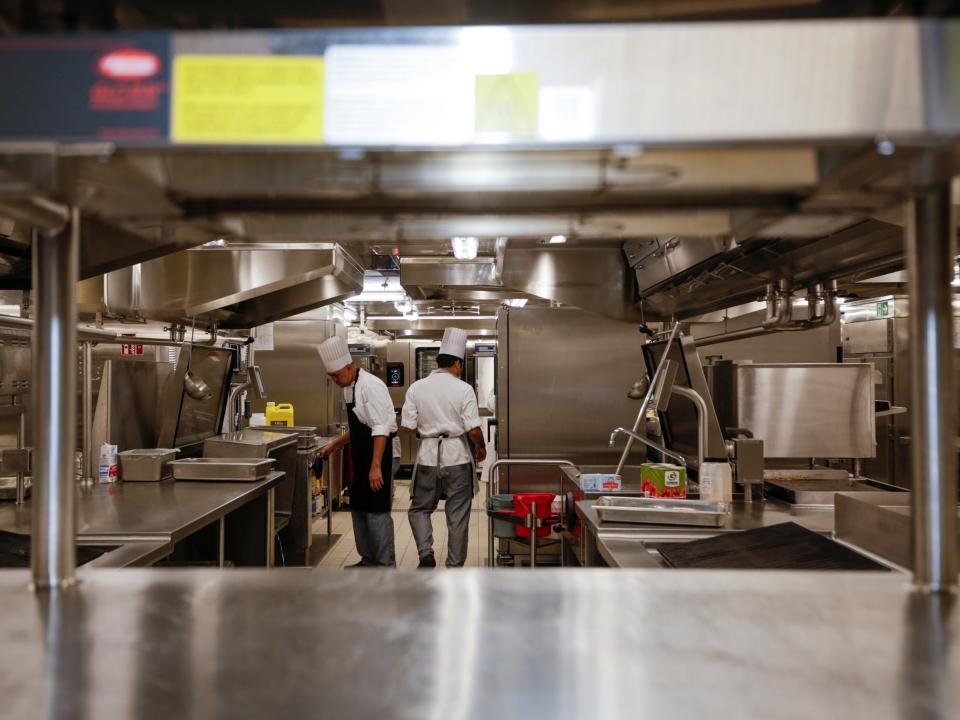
x: 533, y: 534
x: 493, y: 482
x: 646, y: 399
x: 20, y: 323
x: 701, y: 404
x: 930, y: 253
x: 21, y: 441
x: 87, y: 471
x: 649, y: 443
x: 55, y: 276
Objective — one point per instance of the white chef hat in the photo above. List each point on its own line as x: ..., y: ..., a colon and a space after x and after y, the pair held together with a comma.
x: 335, y: 354
x: 454, y: 343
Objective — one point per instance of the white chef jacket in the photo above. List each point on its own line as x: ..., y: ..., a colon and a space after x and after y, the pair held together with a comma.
x: 374, y: 408
x: 438, y: 404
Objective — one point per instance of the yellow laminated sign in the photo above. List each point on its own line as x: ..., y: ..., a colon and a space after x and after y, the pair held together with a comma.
x: 506, y: 105
x: 247, y: 99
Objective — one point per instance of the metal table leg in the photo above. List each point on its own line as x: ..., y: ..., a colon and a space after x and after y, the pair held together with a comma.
x: 271, y: 526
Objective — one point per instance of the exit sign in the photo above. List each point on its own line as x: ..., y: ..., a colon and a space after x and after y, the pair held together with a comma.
x: 883, y: 309
x: 131, y: 349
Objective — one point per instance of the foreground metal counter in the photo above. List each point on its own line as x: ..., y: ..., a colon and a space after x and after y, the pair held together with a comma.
x: 478, y: 644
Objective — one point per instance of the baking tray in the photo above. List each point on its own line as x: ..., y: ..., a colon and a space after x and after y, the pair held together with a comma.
x: 307, y: 436
x: 222, y: 469
x: 660, y: 511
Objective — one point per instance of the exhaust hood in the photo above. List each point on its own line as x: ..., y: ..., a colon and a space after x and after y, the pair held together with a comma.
x: 234, y: 286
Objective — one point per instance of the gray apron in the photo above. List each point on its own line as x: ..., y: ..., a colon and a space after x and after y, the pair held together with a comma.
x: 441, y: 468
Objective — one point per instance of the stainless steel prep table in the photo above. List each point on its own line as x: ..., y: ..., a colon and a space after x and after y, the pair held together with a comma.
x: 488, y: 643
x: 623, y: 544
x: 156, y: 514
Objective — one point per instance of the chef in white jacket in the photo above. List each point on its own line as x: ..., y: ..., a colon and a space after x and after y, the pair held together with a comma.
x: 372, y: 426
x: 443, y: 410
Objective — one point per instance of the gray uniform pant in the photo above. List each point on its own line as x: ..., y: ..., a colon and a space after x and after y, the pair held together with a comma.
x: 373, y: 534
x: 457, y: 487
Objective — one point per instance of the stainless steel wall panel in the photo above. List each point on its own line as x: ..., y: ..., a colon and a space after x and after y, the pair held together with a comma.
x: 869, y: 336
x: 563, y: 381
x: 812, y: 410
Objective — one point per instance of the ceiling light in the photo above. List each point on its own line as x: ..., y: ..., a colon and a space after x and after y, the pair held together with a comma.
x: 465, y: 248
x: 450, y: 318
x: 557, y: 240
x: 515, y: 302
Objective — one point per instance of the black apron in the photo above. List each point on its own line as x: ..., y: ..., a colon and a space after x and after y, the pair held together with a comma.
x: 362, y: 497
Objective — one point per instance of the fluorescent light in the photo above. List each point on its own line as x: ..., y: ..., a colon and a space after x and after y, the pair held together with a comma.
x: 367, y: 297
x: 557, y: 240
x: 515, y: 302
x: 433, y: 317
x: 465, y: 248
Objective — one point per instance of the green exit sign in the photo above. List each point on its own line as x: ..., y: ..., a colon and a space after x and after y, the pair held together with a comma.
x: 883, y: 309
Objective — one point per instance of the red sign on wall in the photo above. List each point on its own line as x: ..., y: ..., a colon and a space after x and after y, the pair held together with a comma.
x: 131, y: 349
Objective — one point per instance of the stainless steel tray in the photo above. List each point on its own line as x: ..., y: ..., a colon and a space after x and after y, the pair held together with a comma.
x: 222, y: 469
x: 660, y: 511
x: 307, y: 435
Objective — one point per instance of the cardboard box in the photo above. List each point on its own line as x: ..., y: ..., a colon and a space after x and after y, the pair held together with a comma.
x: 601, y: 482
x: 663, y: 480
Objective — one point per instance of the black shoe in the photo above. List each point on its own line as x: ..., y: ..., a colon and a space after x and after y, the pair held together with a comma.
x: 427, y: 561
x: 360, y: 564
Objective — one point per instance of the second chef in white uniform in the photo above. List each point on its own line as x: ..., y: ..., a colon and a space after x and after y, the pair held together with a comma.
x: 443, y: 409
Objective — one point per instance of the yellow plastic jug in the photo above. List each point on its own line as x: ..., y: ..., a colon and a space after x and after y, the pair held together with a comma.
x: 281, y: 414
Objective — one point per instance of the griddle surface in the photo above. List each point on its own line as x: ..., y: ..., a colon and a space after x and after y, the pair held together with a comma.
x: 787, y: 546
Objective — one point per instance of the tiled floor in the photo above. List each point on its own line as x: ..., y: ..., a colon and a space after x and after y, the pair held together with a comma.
x: 345, y: 553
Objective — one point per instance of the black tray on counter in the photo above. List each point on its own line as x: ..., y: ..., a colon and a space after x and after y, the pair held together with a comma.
x: 786, y: 546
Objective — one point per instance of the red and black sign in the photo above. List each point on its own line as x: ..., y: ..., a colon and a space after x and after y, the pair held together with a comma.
x: 95, y: 87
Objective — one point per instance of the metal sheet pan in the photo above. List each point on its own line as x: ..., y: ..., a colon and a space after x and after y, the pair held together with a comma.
x: 222, y: 469
x: 657, y: 511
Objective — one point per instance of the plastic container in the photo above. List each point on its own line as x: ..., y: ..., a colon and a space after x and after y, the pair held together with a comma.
x: 716, y: 482
x: 281, y: 414
x: 522, y: 503
x: 109, y: 467
x: 502, y: 528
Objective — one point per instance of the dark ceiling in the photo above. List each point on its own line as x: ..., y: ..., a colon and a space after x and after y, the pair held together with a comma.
x: 94, y: 15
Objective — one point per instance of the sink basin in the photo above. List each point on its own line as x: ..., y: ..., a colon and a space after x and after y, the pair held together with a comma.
x: 15, y: 551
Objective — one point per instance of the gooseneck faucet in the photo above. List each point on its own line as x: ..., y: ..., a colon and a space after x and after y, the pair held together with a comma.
x: 649, y: 443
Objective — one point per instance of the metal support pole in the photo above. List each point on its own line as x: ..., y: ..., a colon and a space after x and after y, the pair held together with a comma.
x: 88, y: 452
x: 930, y: 252
x: 533, y: 534
x: 21, y: 442
x: 55, y: 276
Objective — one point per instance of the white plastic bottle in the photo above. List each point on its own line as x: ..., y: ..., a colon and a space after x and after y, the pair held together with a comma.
x: 716, y: 481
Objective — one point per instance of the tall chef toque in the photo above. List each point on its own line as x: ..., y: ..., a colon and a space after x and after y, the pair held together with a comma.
x: 454, y: 343
x: 335, y: 354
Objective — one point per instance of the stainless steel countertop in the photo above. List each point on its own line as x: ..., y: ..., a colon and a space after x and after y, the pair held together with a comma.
x: 622, y: 544
x: 479, y: 644
x: 127, y: 512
